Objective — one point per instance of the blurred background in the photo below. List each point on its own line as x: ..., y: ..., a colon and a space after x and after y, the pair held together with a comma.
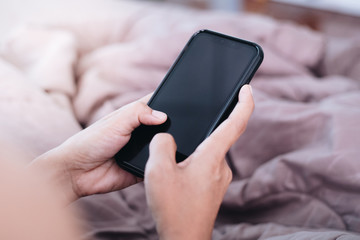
x: 332, y: 17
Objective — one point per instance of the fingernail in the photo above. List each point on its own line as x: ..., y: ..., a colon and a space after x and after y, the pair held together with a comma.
x: 159, y: 115
x: 246, y: 88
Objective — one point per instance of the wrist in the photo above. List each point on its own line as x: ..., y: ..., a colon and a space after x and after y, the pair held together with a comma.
x: 189, y: 231
x: 185, y: 234
x: 52, y: 167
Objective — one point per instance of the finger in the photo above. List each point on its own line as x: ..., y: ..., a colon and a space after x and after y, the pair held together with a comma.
x: 129, y: 117
x: 225, y: 135
x: 140, y: 113
x: 162, y: 154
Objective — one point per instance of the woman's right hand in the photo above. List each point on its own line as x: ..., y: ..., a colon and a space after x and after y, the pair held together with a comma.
x: 185, y: 198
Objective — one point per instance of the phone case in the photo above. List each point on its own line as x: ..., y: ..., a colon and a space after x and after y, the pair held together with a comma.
x: 230, y: 104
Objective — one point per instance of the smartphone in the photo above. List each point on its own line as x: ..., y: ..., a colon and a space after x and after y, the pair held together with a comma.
x: 199, y: 91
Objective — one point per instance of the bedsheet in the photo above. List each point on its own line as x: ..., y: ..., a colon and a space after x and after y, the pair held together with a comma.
x: 296, y: 168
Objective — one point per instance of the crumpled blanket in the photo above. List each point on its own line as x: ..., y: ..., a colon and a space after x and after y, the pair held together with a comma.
x: 296, y: 169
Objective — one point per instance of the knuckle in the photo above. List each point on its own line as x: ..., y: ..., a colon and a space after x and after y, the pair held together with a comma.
x: 241, y: 125
x: 219, y: 155
x: 216, y: 170
x: 134, y: 108
x: 229, y: 175
x: 140, y: 106
x: 217, y: 176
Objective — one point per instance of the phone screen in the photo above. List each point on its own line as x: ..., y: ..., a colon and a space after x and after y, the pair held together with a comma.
x: 194, y: 94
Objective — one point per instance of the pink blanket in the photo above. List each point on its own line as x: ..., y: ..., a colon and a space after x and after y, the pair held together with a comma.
x: 296, y: 168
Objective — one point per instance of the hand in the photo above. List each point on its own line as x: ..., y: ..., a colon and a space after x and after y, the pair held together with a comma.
x: 184, y: 198
x: 83, y: 165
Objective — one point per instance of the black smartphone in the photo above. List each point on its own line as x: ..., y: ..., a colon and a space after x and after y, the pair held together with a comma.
x: 198, y: 93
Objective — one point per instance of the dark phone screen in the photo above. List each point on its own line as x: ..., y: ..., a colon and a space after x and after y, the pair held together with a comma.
x: 193, y: 95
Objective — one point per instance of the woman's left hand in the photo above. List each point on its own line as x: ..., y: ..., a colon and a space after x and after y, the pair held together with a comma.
x: 84, y: 165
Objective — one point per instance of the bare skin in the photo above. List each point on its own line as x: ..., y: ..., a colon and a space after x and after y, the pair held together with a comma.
x: 83, y: 165
x: 184, y: 201
x: 185, y: 197
x: 30, y: 207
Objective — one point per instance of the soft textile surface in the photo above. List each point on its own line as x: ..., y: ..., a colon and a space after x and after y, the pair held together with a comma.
x: 296, y: 168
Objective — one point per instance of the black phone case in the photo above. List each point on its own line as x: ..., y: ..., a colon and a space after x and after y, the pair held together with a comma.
x: 229, y: 106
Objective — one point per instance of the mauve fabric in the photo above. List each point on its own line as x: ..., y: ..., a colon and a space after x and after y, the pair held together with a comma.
x: 297, y: 166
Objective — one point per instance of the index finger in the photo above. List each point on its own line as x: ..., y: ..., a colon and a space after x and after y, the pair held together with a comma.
x: 226, y: 134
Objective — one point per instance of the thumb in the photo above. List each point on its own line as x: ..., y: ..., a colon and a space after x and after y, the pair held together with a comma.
x: 162, y: 154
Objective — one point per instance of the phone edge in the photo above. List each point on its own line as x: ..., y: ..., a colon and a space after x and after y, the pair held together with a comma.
x: 229, y: 105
